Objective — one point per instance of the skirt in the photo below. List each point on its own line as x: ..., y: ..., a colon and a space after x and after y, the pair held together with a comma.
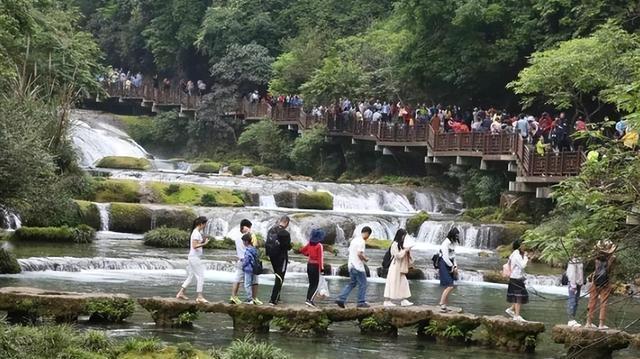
x: 444, y: 272
x: 517, y: 292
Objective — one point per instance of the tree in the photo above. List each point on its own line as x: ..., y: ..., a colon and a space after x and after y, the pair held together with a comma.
x: 247, y: 67
x: 307, y: 151
x: 579, y: 72
x: 337, y: 78
x: 265, y: 141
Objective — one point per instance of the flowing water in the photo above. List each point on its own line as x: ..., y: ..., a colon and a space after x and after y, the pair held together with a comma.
x: 10, y: 220
x: 119, y: 262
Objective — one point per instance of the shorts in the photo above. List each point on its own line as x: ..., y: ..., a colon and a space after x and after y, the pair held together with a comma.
x: 239, y: 273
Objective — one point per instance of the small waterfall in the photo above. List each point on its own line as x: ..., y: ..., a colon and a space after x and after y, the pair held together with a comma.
x: 246, y: 170
x: 217, y: 227
x: 104, y: 208
x: 154, y: 220
x: 11, y: 221
x: 395, y: 202
x: 472, y: 236
x: 268, y: 201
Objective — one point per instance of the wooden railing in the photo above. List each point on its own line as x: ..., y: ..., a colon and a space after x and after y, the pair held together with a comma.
x: 161, y: 96
x: 561, y: 164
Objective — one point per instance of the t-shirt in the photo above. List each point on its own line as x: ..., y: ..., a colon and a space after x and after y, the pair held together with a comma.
x: 195, y: 236
x: 357, y: 245
x: 240, y: 247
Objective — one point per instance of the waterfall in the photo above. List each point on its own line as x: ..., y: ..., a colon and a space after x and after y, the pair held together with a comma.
x: 11, y: 221
x: 268, y: 201
x: 472, y: 236
x: 246, y: 170
x: 396, y: 202
x: 73, y: 264
x: 217, y: 227
x: 104, y: 208
x: 154, y: 220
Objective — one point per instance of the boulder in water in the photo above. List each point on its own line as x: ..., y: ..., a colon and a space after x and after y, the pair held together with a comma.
x: 130, y: 218
x: 124, y: 162
x: 315, y: 200
x: 285, y: 199
x: 343, y: 271
x: 8, y: 262
x: 511, y: 335
x: 494, y: 277
x: 64, y: 234
x: 590, y: 343
x: 88, y: 214
x: 414, y: 273
x: 414, y: 223
x: 207, y: 167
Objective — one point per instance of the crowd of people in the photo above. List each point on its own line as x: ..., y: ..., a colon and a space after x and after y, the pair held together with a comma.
x: 397, y: 262
x: 126, y: 81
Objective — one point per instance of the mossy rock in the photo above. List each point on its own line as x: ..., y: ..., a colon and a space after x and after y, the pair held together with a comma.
x: 494, y: 277
x: 599, y: 343
x: 235, y: 168
x: 509, y: 232
x: 260, y: 170
x: 207, y: 167
x: 64, y: 234
x: 415, y: 222
x: 343, y: 271
x: 88, y: 214
x: 196, y: 195
x: 112, y: 190
x: 167, y: 238
x: 480, y: 214
x: 414, y: 273
x: 8, y: 262
x: 174, y: 218
x: 285, y: 199
x: 378, y: 324
x: 304, y: 325
x: 315, y: 200
x: 124, y: 162
x: 130, y: 218
x: 226, y: 243
x: 373, y: 243
x: 113, y: 310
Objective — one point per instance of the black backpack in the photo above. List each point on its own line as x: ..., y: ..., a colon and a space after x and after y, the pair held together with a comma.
x: 386, y: 260
x: 436, y: 260
x: 272, y: 245
x: 600, y: 276
x: 257, y: 265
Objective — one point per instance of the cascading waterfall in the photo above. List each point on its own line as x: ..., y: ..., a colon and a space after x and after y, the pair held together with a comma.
x: 217, y: 227
x: 103, y: 209
x: 11, y: 220
x: 472, y: 236
x: 268, y: 201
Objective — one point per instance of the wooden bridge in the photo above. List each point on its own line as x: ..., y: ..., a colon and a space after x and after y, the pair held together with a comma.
x: 533, y: 173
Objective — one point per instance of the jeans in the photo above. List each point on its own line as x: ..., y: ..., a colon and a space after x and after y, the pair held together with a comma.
x: 248, y: 285
x: 572, y: 302
x: 279, y: 264
x: 359, y: 279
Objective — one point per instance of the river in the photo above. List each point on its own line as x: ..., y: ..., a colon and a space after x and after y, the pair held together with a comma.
x: 119, y: 262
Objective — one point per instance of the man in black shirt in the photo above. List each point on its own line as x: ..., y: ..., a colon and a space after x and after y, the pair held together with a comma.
x: 278, y: 245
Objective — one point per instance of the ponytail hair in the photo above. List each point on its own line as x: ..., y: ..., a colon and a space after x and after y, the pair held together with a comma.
x: 198, y: 221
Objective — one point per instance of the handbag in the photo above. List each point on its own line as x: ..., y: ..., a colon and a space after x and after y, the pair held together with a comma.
x: 506, y: 269
x: 323, y: 288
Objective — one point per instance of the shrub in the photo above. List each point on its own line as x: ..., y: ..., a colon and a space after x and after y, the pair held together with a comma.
x: 189, y: 194
x: 248, y: 348
x: 315, y: 200
x: 167, y: 238
x: 124, y: 162
x: 235, y: 168
x: 88, y: 214
x: 373, y: 243
x: 415, y: 222
x: 96, y: 341
x: 265, y: 141
x: 80, y: 234
x: 208, y: 200
x: 258, y: 170
x: 185, y: 351
x: 8, y: 262
x: 110, y: 310
x: 130, y: 218
x: 226, y: 243
x: 141, y: 345
x: 207, y: 167
x: 171, y: 189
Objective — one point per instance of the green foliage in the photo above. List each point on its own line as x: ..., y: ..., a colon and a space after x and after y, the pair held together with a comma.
x: 110, y: 310
x: 165, y: 131
x: 64, y: 234
x: 566, y: 75
x: 315, y: 200
x: 185, y: 351
x: 248, y: 67
x: 186, y: 319
x: 129, y: 218
x: 248, y: 348
x: 189, y: 194
x: 97, y: 342
x: 171, y: 189
x: 123, y: 162
x: 265, y: 141
x: 444, y: 330
x: 141, y: 345
x: 479, y: 188
x: 415, y: 222
x: 112, y: 190
x: 306, y: 153
x: 259, y: 170
x: 235, y: 168
x: 373, y: 243
x: 226, y: 243
x: 8, y: 262
x: 167, y: 238
x: 207, y: 167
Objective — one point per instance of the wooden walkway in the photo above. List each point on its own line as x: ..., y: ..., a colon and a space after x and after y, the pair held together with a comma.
x: 534, y: 173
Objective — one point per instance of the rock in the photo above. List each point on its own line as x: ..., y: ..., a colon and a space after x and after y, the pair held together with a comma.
x: 515, y: 201
x: 510, y: 335
x: 8, y: 262
x: 416, y: 274
x: 415, y: 221
x: 285, y: 199
x: 378, y: 324
x: 252, y: 199
x: 590, y: 343
x: 64, y: 234
x: 343, y: 271
x: 174, y: 218
x: 124, y: 162
x: 494, y: 277
x: 315, y: 200
x: 130, y: 218
x: 88, y: 214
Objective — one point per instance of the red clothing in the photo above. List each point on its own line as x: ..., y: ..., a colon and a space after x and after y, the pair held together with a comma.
x: 315, y: 254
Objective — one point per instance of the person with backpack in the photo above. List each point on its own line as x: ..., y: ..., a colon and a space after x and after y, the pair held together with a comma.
x: 397, y: 286
x: 448, y: 267
x: 517, y: 293
x: 600, y: 280
x: 251, y: 267
x: 277, y: 247
x: 315, y: 266
x: 195, y: 267
x: 575, y: 280
x: 357, y: 270
x: 245, y: 228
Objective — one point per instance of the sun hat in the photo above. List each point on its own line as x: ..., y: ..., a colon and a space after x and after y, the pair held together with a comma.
x: 606, y: 247
x: 317, y: 235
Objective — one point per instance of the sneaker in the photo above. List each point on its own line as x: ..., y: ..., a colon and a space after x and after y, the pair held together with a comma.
x: 590, y: 326
x: 518, y: 318
x: 363, y: 305
x: 310, y: 303
x: 272, y: 304
x: 340, y: 303
x: 510, y: 312
x: 405, y: 303
x: 573, y: 324
x: 603, y: 327
x: 234, y: 300
x: 388, y: 303
x: 257, y: 301
x: 251, y: 302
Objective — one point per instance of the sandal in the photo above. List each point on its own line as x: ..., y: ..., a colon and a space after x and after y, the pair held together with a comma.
x: 182, y: 296
x: 201, y: 301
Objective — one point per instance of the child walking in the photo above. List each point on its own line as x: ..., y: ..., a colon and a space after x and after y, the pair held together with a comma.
x: 249, y: 263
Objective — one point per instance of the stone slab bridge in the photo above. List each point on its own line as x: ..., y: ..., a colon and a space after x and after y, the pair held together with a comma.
x: 33, y: 305
x: 533, y: 173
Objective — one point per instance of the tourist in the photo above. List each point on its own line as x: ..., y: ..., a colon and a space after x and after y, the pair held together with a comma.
x: 277, y: 247
x: 522, y: 127
x: 315, y: 266
x: 575, y: 280
x: 156, y: 86
x: 357, y: 270
x: 541, y: 147
x: 621, y: 128
x: 250, y: 267
x: 245, y: 228
x: 516, y: 291
x: 600, y: 288
x: 630, y: 138
x: 195, y: 267
x: 448, y: 266
x: 397, y: 286
x: 190, y: 88
x: 202, y: 88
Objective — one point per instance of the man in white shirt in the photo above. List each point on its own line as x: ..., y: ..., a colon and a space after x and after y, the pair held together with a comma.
x: 357, y: 270
x: 245, y: 227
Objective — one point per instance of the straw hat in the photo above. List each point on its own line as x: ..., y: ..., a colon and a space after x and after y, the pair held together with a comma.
x: 606, y: 247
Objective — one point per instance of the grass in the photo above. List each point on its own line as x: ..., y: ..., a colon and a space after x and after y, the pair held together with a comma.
x: 112, y: 190
x: 373, y: 243
x: 64, y: 234
x: 124, y: 162
x: 190, y: 194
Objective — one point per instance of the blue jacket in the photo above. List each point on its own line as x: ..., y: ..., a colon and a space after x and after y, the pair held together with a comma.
x: 250, y: 257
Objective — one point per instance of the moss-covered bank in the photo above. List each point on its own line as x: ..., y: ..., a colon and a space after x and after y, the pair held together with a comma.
x: 124, y: 162
x: 88, y: 214
x: 64, y: 234
x: 304, y: 200
x: 137, y: 218
x: 176, y: 238
x: 414, y: 223
x: 8, y: 262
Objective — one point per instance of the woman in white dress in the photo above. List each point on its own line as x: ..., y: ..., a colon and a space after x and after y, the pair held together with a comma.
x: 195, y: 267
x: 397, y: 285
